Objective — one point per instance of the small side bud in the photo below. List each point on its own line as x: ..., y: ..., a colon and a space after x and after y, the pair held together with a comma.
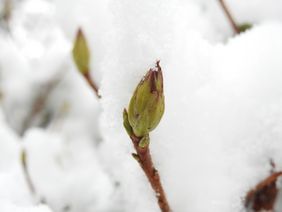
x: 136, y: 157
x: 244, y: 27
x: 126, y: 124
x: 146, y: 106
x: 81, y: 52
x: 144, y: 142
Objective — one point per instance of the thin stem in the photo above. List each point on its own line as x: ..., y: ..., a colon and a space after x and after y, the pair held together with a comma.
x: 28, y: 179
x: 26, y: 172
x: 144, y: 158
x: 229, y: 16
x: 91, y: 83
x: 39, y: 103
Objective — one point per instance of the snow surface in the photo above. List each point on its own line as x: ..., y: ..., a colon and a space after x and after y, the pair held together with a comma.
x: 8, y: 207
x: 223, y: 115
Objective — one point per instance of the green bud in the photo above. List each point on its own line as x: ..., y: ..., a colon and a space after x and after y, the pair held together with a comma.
x: 147, y: 105
x: 80, y: 52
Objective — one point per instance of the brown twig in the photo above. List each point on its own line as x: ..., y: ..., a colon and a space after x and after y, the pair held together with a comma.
x: 39, y: 103
x: 143, y: 157
x: 229, y: 16
x: 37, y: 106
x: 91, y: 83
x: 264, y: 195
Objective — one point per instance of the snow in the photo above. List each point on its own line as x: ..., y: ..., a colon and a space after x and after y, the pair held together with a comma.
x: 221, y: 126
x: 6, y: 206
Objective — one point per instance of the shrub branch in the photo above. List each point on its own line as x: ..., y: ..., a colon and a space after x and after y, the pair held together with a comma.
x: 91, y: 83
x: 144, y: 159
x: 229, y: 17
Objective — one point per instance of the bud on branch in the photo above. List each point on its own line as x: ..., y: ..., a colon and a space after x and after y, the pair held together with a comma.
x: 146, y: 106
x: 81, y: 52
x: 145, y: 111
x: 81, y: 56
